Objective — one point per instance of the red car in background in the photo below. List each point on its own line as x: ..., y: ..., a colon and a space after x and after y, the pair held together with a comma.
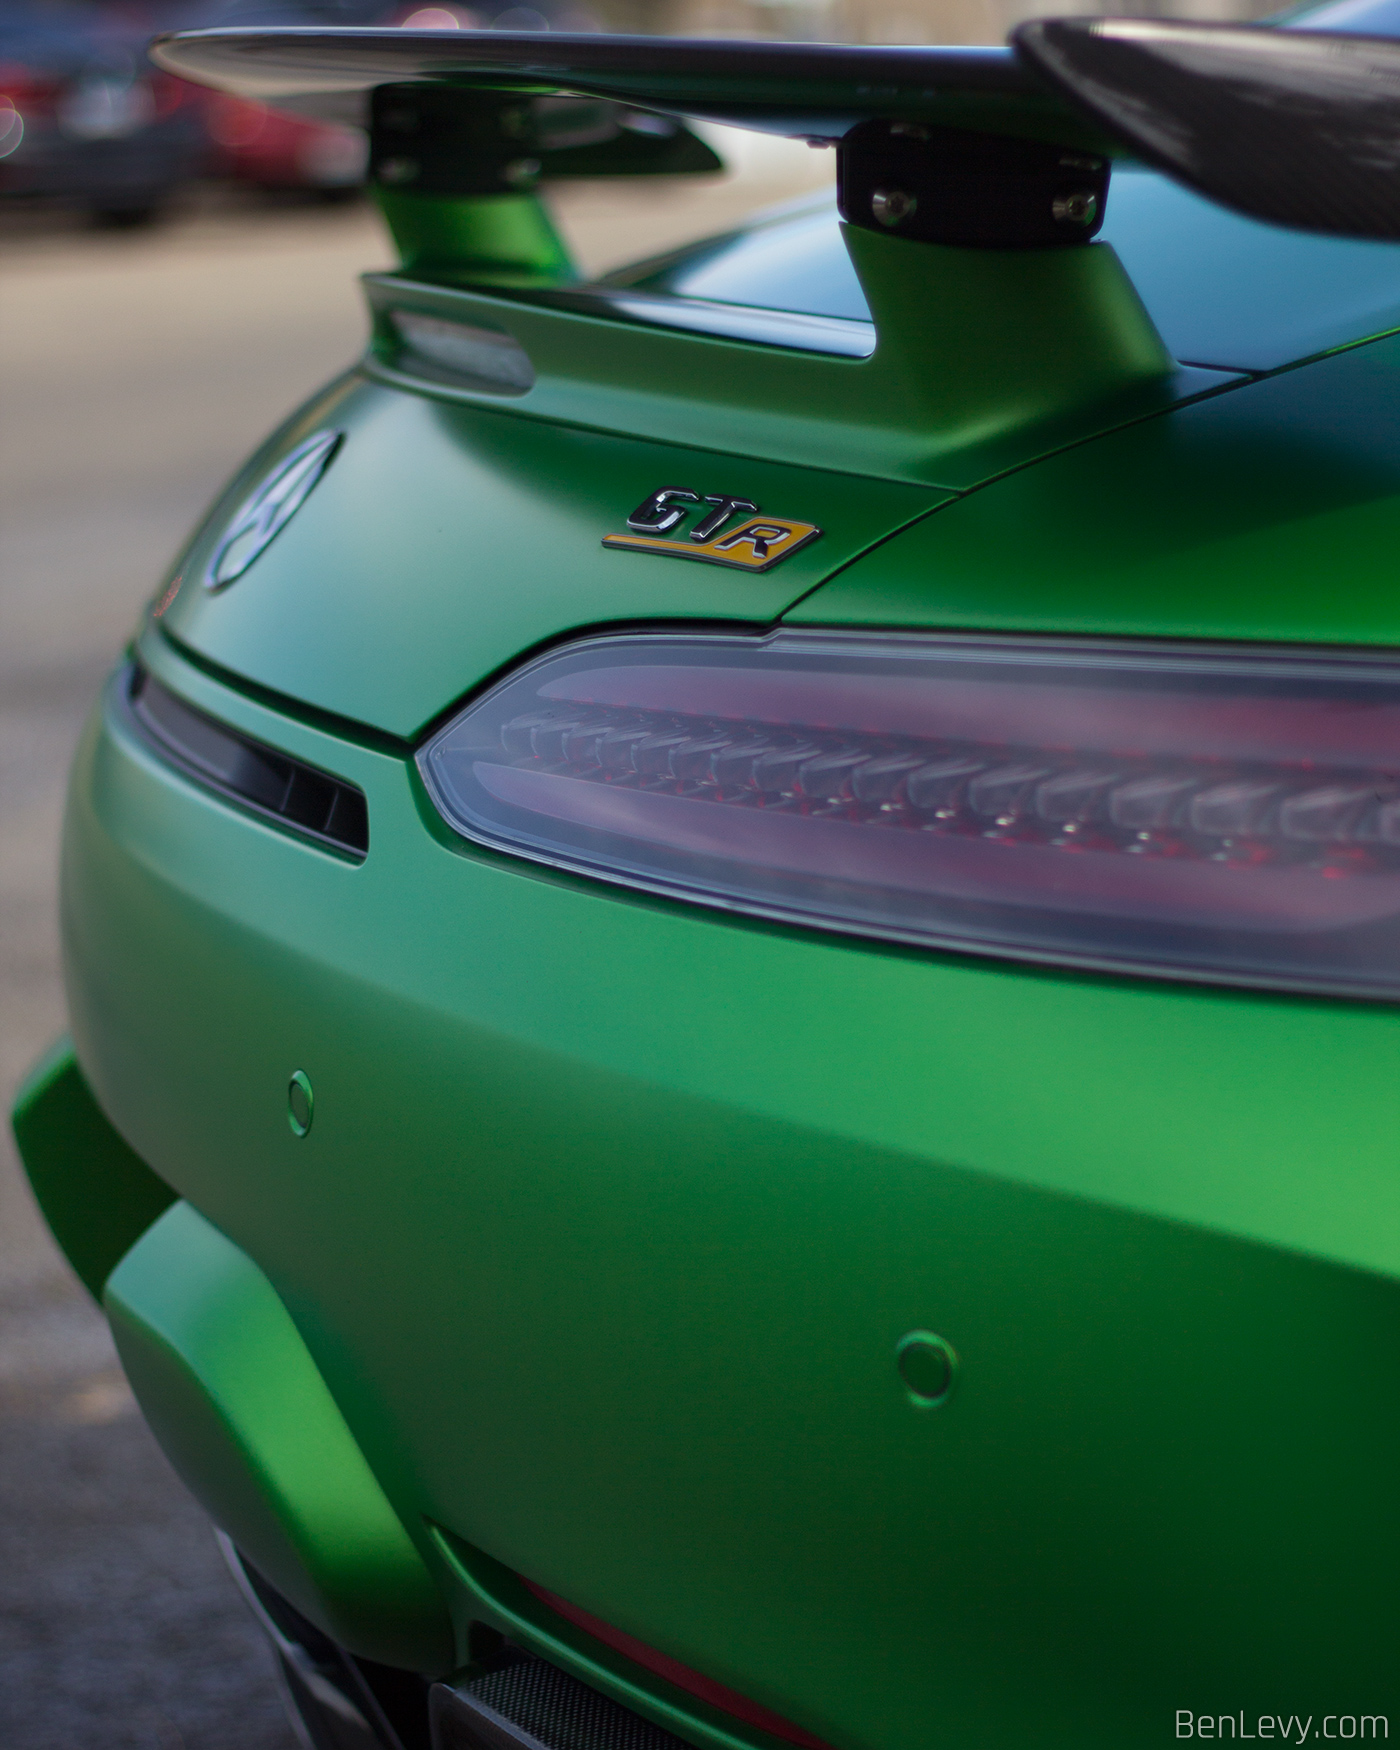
x: 275, y: 150
x: 271, y: 149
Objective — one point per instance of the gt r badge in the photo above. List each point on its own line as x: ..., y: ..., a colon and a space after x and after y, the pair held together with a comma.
x: 757, y: 543
x: 270, y: 509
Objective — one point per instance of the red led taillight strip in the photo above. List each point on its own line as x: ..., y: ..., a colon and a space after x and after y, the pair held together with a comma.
x: 694, y: 1683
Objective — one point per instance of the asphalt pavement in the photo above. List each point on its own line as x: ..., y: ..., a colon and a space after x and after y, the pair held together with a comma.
x: 136, y: 369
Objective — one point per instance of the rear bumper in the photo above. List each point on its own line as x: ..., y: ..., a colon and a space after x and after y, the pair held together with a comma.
x: 613, y: 1214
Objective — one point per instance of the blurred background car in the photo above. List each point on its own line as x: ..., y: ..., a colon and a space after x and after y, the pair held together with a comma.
x: 85, y: 119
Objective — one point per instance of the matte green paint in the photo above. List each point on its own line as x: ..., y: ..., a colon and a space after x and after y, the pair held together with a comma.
x: 1273, y: 510
x: 501, y: 239
x: 444, y: 540
x: 984, y: 359
x: 96, y: 1194
x: 242, y: 1413
x: 620, y: 1209
x: 973, y: 345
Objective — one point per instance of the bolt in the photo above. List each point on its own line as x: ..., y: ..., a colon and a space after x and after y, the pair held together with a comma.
x: 1078, y: 208
x: 891, y: 206
x: 399, y: 170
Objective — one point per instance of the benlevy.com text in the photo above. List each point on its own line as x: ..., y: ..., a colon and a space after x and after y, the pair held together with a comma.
x: 1283, y: 1728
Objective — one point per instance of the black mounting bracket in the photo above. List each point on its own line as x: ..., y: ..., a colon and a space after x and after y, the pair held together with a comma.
x: 975, y: 191
x: 441, y: 140
x: 428, y: 139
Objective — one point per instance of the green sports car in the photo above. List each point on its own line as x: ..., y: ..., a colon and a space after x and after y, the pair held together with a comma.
x: 733, y: 933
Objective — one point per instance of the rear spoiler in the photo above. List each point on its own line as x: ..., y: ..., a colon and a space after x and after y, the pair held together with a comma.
x: 975, y: 146
x: 1010, y: 340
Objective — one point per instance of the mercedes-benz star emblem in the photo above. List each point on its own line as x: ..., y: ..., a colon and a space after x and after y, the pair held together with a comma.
x: 270, y: 508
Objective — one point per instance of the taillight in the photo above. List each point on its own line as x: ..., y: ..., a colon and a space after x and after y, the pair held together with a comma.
x: 1197, y: 813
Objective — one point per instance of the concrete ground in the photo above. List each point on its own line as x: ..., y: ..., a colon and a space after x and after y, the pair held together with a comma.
x: 135, y: 370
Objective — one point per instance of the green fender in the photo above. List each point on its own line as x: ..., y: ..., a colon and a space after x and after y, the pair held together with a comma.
x: 242, y: 1413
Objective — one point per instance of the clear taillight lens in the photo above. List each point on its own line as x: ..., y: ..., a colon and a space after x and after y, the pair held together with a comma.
x: 1187, y: 813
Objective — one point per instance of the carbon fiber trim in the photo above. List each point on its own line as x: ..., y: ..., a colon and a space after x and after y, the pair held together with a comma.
x: 1296, y: 127
x: 530, y: 1704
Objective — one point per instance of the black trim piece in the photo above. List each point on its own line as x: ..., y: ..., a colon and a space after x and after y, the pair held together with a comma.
x: 431, y: 139
x: 341, y: 1702
x: 301, y: 797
